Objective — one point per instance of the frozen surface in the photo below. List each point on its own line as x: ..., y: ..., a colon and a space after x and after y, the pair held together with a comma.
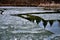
x: 17, y: 28
x: 53, y: 16
x: 23, y: 10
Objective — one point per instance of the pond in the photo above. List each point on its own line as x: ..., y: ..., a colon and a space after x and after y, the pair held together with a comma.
x: 29, y: 23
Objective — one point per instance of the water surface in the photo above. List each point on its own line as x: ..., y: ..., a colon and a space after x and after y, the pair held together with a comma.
x: 25, y: 26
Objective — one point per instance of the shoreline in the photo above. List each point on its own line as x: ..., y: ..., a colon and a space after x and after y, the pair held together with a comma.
x: 38, y: 5
x: 50, y: 5
x: 46, y: 5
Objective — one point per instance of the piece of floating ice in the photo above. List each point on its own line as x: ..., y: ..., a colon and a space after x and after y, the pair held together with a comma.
x: 48, y: 16
x: 25, y: 10
x: 22, y: 31
x: 41, y: 24
x: 17, y: 22
x: 48, y: 26
x: 3, y: 27
x: 15, y: 38
x: 55, y: 24
x: 11, y: 12
x: 55, y: 28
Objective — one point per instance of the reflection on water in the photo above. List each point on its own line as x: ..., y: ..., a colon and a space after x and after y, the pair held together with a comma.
x: 19, y: 28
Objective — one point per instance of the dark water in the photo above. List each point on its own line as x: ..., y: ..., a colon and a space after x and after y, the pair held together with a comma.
x: 28, y: 27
